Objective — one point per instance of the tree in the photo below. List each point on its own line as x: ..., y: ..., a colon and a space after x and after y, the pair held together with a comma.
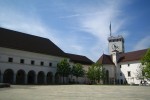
x: 63, y: 68
x: 91, y: 73
x: 146, y: 62
x: 77, y: 70
x: 96, y: 73
x: 100, y: 72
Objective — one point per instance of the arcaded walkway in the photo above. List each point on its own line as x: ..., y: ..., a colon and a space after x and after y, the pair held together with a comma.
x: 75, y: 92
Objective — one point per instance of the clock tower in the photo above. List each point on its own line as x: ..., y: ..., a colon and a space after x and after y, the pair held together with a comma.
x: 116, y: 43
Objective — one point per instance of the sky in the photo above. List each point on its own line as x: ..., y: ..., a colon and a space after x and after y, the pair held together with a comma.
x: 80, y: 26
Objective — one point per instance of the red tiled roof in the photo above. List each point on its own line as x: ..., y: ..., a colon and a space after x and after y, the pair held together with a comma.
x: 21, y: 41
x: 79, y: 59
x: 105, y: 59
x: 132, y: 56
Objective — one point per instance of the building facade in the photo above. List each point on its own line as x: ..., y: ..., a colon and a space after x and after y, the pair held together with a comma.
x: 28, y: 59
x: 121, y: 67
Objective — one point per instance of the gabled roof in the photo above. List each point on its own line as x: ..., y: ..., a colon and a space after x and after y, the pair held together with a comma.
x: 105, y: 59
x: 79, y: 59
x: 123, y: 57
x: 21, y: 41
x: 132, y: 56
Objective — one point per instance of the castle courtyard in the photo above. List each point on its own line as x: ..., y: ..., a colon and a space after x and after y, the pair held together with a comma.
x: 75, y: 92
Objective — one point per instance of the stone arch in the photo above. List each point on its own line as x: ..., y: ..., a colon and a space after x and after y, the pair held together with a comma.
x: 31, y: 77
x: 40, y: 77
x: 57, y: 78
x: 20, y: 77
x: 8, y: 76
x: 107, y: 77
x: 49, y: 78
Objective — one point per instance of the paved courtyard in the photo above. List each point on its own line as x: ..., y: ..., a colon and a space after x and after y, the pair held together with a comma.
x: 75, y: 92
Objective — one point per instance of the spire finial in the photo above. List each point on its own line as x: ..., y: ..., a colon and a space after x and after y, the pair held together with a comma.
x: 110, y: 28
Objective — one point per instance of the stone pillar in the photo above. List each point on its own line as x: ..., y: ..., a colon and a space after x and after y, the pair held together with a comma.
x: 53, y: 79
x: 35, y: 82
x: 26, y: 79
x: 14, y: 77
x: 45, y: 80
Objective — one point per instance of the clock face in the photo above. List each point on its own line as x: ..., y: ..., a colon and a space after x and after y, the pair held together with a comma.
x: 115, y: 47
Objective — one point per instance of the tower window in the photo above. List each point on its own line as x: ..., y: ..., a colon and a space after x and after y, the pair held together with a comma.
x: 32, y: 62
x: 128, y: 64
x: 10, y: 59
x: 22, y: 61
x: 120, y: 66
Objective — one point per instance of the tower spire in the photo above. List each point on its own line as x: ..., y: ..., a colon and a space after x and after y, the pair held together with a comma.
x: 110, y: 28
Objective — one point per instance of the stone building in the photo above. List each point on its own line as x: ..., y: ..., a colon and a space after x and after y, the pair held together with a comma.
x: 121, y: 67
x: 28, y: 59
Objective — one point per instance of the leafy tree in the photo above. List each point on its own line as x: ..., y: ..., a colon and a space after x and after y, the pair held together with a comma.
x: 146, y: 62
x: 63, y: 68
x: 96, y: 73
x: 91, y: 73
x: 100, y: 72
x: 77, y: 70
x: 140, y: 73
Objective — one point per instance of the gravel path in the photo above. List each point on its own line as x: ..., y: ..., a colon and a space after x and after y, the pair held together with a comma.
x: 75, y: 92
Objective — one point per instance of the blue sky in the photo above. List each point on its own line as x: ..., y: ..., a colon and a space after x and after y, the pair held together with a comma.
x: 80, y: 26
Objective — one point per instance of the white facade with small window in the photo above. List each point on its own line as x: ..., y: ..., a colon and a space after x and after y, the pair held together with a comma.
x: 22, y: 67
x: 130, y: 72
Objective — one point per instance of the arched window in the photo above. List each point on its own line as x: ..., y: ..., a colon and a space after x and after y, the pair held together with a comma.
x: 40, y: 77
x: 8, y: 76
x: 49, y: 78
x: 31, y: 77
x: 20, y: 77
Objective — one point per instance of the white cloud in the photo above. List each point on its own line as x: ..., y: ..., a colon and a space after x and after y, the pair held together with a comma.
x: 90, y: 19
x: 76, y: 47
x: 142, y: 44
x: 96, y: 20
x: 14, y: 19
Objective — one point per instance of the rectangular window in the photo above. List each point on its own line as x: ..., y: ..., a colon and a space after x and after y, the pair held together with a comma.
x: 22, y: 61
x: 120, y: 66
x: 32, y: 62
x: 129, y: 74
x: 50, y: 64
x: 10, y: 59
x: 42, y: 63
x: 128, y: 64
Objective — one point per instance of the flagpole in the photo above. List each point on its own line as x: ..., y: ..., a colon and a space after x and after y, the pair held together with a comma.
x: 110, y: 28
